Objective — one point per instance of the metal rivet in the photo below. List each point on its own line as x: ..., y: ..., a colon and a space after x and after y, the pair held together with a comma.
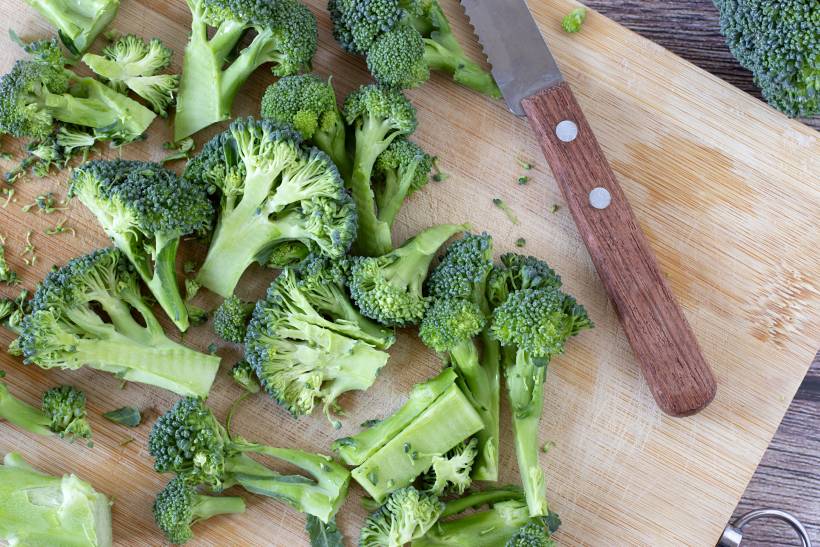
x: 566, y: 131
x: 600, y: 198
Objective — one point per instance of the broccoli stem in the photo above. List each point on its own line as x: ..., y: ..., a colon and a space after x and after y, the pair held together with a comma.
x: 463, y: 70
x: 396, y: 188
x: 205, y: 507
x: 249, y: 59
x: 78, y: 22
x: 477, y: 499
x: 163, y: 283
x: 21, y: 414
x: 80, y: 111
x: 333, y: 143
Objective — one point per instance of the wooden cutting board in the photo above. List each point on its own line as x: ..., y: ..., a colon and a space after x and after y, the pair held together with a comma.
x: 725, y: 188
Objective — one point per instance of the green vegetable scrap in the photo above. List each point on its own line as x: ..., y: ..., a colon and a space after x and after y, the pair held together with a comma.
x: 573, y: 21
x: 179, y: 151
x: 127, y: 416
x: 78, y: 22
x: 501, y: 204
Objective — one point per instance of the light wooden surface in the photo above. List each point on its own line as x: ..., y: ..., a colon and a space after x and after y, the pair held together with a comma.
x: 719, y: 182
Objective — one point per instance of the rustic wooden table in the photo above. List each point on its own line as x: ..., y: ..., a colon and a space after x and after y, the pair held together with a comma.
x: 787, y: 477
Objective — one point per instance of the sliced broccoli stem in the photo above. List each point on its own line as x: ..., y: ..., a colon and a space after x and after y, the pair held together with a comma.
x: 80, y: 111
x: 477, y: 499
x: 21, y: 414
x: 205, y: 507
x: 163, y: 283
x: 463, y: 70
x: 252, y: 57
x: 120, y: 314
x: 415, y: 255
x: 78, y: 22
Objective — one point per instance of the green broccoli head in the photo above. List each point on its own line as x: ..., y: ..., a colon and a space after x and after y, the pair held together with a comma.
x: 65, y: 407
x: 406, y: 515
x: 401, y: 170
x: 24, y: 92
x: 463, y: 270
x: 305, y: 102
x: 517, y: 272
x: 178, y: 506
x: 286, y: 254
x: 779, y: 43
x: 358, y: 23
x: 243, y: 374
x: 532, y: 534
x: 451, y: 322
x: 450, y: 473
x: 396, y: 58
x: 272, y: 191
x: 380, y: 113
x: 146, y: 209
x: 231, y: 319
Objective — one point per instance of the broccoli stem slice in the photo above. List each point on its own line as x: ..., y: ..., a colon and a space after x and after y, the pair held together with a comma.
x: 447, y: 422
x: 205, y: 507
x: 493, y: 526
x: 355, y: 450
x: 22, y: 414
x: 79, y: 22
x: 482, y: 497
x: 163, y: 283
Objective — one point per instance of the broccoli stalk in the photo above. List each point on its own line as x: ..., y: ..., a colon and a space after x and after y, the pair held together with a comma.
x: 285, y: 36
x: 406, y: 515
x: 65, y: 330
x: 401, y: 170
x: 77, y: 22
x: 388, y: 288
x: 272, y: 192
x: 38, y: 509
x: 188, y: 441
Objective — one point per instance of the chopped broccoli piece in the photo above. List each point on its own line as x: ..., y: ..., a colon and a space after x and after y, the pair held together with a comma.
x: 146, y: 209
x: 74, y: 141
x: 532, y: 534
x: 63, y: 413
x: 450, y: 473
x: 308, y: 103
x: 574, y: 19
x: 127, y: 416
x: 178, y: 151
x: 779, y: 42
x: 132, y: 63
x: 78, y: 22
x: 179, y: 506
x: 243, y: 374
x: 284, y: 36
x: 38, y: 509
x: 13, y: 310
x: 406, y: 515
x: 7, y: 275
x: 231, y: 319
x: 403, y: 40
x: 272, y: 191
x: 187, y: 440
x: 501, y: 204
x: 388, y: 288
x: 307, y: 341
x: 40, y: 91
x: 400, y: 171
x: 64, y: 328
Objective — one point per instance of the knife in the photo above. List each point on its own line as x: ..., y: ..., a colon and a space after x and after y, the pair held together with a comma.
x: 679, y: 377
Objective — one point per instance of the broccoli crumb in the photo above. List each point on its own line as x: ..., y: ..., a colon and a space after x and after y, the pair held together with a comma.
x: 573, y: 21
x: 547, y: 446
x: 554, y: 208
x: 178, y: 151
x: 212, y: 348
x: 30, y: 250
x: 525, y: 165
x: 60, y: 228
x: 9, y: 192
x: 45, y: 203
x: 439, y: 175
x: 189, y: 267
x: 520, y: 242
x: 523, y: 180
x: 501, y: 204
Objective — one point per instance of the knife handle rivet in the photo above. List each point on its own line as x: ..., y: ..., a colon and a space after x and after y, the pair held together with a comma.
x: 600, y: 198
x: 566, y: 131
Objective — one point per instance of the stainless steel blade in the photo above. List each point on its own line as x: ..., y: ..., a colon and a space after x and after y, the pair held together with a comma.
x: 522, y: 64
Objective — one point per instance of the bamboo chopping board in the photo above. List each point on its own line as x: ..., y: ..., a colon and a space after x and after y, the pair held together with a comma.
x: 725, y: 188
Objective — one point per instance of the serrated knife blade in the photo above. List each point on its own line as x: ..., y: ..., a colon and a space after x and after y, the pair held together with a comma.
x: 522, y: 64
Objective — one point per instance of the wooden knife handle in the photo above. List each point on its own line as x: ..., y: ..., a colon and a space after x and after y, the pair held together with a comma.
x: 664, y: 344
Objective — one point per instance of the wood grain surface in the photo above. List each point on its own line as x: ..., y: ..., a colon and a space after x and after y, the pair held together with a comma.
x: 664, y: 345
x: 719, y: 183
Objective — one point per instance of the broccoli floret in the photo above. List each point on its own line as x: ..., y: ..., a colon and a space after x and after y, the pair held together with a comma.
x: 62, y: 414
x: 532, y: 325
x: 187, y: 440
x: 66, y: 329
x: 517, y: 272
x: 7, y: 275
x: 74, y: 141
x: 146, y: 209
x: 308, y: 103
x: 243, y: 374
x: 573, y: 20
x: 231, y: 319
x: 378, y: 116
x: 179, y: 506
x: 532, y: 534
x: 12, y: 311
x: 132, y: 63
x: 40, y: 91
x: 403, y: 40
x: 78, y: 22
x: 388, y: 288
x: 450, y: 472
x: 38, y: 509
x: 406, y: 515
x: 307, y: 342
x: 284, y: 36
x: 272, y: 191
x: 401, y: 170
x: 779, y: 42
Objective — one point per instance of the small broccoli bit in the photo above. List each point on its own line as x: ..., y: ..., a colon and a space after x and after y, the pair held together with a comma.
x: 284, y: 36
x: 532, y: 322
x: 38, y: 509
x: 65, y: 328
x: 780, y: 44
x: 127, y: 416
x: 378, y: 116
x: 188, y: 440
x: 501, y: 204
x: 272, y: 191
x: 231, y: 319
x: 403, y: 40
x: 532, y: 534
x: 308, y: 104
x: 7, y: 275
x: 65, y: 407
x: 243, y: 374
x: 38, y: 92
x: 132, y: 63
x: 13, y: 310
x: 400, y: 171
x: 178, y: 151
x: 388, y: 288
x: 79, y: 22
x: 75, y: 141
x: 179, y: 506
x: 406, y: 515
x: 307, y: 341
x: 450, y: 473
x: 573, y: 21
x: 146, y: 209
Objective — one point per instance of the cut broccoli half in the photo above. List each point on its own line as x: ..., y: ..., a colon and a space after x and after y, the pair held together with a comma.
x: 38, y: 509
x: 146, y: 209
x: 406, y: 515
x: 187, y: 440
x: 284, y: 35
x: 65, y: 328
x: 272, y: 191
x: 78, y: 22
